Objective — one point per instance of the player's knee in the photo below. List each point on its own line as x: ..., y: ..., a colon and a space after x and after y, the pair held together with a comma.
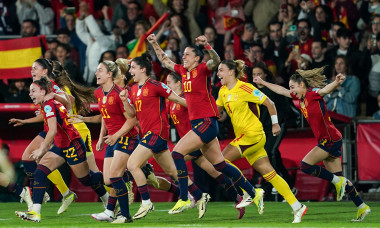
x: 307, y: 168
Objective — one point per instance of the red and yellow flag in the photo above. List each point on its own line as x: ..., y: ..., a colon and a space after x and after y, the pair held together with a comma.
x: 231, y: 22
x: 17, y: 56
x: 140, y: 46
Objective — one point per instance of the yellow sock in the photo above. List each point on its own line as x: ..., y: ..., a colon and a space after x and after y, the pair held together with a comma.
x: 107, y: 188
x: 282, y: 187
x: 58, y: 181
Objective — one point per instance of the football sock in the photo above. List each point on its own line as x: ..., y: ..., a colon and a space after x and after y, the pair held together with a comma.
x: 122, y: 195
x: 281, y: 186
x: 56, y: 178
x: 316, y: 170
x: 180, y: 164
x: 226, y: 182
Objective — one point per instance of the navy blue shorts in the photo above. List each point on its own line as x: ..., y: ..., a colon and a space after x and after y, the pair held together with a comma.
x: 74, y: 154
x: 124, y: 144
x: 154, y: 142
x: 42, y: 134
x: 207, y: 129
x: 196, y: 154
x: 333, y: 148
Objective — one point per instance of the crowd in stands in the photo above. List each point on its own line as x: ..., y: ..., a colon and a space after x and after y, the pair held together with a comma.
x: 286, y: 35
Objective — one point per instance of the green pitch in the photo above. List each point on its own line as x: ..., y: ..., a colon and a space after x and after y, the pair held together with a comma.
x: 219, y: 214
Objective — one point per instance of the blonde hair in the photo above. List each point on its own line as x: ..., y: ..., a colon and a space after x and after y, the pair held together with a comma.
x: 123, y: 65
x: 311, y: 78
x: 236, y: 65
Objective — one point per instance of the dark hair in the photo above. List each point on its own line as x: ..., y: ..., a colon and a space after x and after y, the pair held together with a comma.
x: 176, y: 77
x: 321, y: 41
x: 197, y: 49
x: 236, y: 65
x: 136, y: 3
x: 64, y: 31
x: 343, y: 32
x: 83, y: 95
x: 64, y: 46
x: 44, y: 83
x: 254, y: 44
x: 213, y: 29
x: 339, y: 23
x: 31, y: 21
x: 144, y: 61
x: 108, y: 51
x: 348, y: 68
x: 170, y: 5
x: 46, y: 64
x: 274, y: 23
x: 264, y: 68
x: 306, y: 21
x: 122, y: 46
x: 12, y: 85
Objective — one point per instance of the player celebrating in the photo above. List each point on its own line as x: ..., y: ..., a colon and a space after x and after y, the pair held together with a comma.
x: 44, y: 67
x: 241, y: 100
x: 203, y: 114
x: 62, y: 143
x: 148, y: 99
x: 119, y: 132
x: 180, y: 118
x: 305, y: 90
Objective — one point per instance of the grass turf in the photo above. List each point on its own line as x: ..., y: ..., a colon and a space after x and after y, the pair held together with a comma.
x: 219, y: 214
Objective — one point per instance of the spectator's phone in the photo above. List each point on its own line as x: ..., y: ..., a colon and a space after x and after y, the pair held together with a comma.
x: 293, y: 28
x: 70, y: 10
x: 373, y: 37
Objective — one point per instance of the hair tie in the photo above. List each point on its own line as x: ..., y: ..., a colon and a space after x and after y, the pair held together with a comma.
x: 39, y: 86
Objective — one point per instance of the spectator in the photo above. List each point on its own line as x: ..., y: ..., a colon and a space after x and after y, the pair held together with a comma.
x: 52, y: 48
x: 347, y: 48
x: 68, y: 21
x: 29, y: 28
x: 318, y: 52
x: 346, y: 12
x: 261, y: 12
x: 229, y: 53
x: 122, y: 51
x: 187, y: 10
x: 108, y: 55
x: 37, y: 10
x: 287, y: 16
x: 367, y: 9
x: 18, y: 92
x: 8, y: 21
x: 304, y: 37
x: 63, y: 36
x: 344, y: 98
x: 90, y: 34
x: 334, y: 29
x: 369, y: 37
x: 255, y: 54
x: 213, y: 39
x: 63, y: 54
x: 376, y: 116
x: 374, y: 80
x: 141, y: 27
x: 283, y: 109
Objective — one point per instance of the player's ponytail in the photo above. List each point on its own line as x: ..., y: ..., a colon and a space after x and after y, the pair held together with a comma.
x: 311, y: 78
x: 236, y: 65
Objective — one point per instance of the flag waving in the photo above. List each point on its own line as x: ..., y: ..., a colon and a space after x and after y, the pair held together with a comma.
x: 140, y: 46
x: 17, y: 56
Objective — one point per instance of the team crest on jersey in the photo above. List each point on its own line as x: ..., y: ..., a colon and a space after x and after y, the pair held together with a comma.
x: 110, y: 100
x: 48, y: 110
x: 236, y: 97
x: 194, y: 73
x: 104, y: 99
x: 145, y: 92
x: 57, y: 89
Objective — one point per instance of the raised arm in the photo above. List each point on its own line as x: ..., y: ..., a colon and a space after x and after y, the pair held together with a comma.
x: 213, y: 63
x: 332, y: 86
x: 164, y: 59
x: 275, y: 88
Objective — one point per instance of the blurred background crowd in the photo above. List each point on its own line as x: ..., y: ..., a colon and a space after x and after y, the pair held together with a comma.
x: 285, y: 35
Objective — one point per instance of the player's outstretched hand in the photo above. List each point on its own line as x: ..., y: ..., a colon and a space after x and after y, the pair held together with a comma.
x: 202, y: 40
x: 258, y: 80
x: 123, y: 95
x: 16, y: 122
x: 340, y: 78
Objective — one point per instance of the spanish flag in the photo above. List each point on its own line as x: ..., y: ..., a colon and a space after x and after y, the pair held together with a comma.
x: 140, y: 46
x: 231, y: 22
x: 17, y: 56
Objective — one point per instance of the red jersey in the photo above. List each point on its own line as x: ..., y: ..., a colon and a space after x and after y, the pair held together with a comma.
x: 66, y: 132
x: 196, y: 85
x: 112, y: 108
x: 314, y: 109
x: 149, y: 102
x: 55, y: 89
x: 180, y: 117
